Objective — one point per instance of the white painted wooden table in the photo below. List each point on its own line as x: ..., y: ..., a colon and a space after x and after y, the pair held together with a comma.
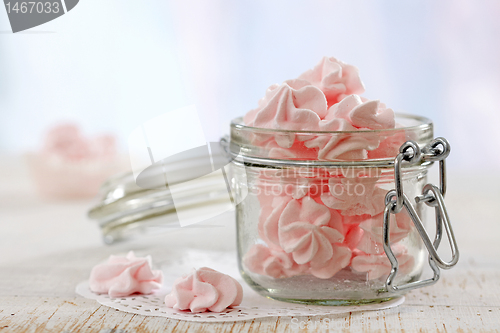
x: 46, y: 248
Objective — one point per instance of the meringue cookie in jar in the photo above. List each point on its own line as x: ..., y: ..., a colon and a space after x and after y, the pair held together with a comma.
x: 312, y: 229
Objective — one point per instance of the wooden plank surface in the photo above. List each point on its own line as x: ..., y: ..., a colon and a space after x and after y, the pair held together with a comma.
x: 46, y: 248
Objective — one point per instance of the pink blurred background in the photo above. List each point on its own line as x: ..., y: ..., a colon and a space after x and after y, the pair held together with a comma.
x: 111, y: 65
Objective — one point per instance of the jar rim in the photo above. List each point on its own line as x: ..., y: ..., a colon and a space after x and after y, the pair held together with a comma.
x: 249, y: 143
x: 424, y: 123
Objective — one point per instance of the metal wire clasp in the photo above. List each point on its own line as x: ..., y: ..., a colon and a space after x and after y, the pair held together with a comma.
x: 433, y: 196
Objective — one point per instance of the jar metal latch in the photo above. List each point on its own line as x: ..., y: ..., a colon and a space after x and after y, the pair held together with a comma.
x: 432, y: 196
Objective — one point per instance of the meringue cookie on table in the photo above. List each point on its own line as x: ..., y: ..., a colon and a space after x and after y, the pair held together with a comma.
x: 335, y: 78
x: 204, y: 289
x: 124, y: 276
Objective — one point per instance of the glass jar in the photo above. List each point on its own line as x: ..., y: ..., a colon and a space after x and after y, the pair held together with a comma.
x: 310, y: 218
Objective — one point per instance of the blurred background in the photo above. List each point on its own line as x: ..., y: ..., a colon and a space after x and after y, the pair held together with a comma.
x: 110, y: 65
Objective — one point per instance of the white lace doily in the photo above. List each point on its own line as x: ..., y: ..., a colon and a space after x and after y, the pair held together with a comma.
x: 253, y: 305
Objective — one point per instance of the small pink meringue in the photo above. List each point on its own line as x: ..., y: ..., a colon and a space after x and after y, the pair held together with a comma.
x: 342, y: 146
x: 272, y: 262
x: 204, y: 289
x: 399, y: 227
x: 71, y: 165
x: 268, y: 220
x: 298, y: 150
x: 353, y: 236
x: 68, y: 143
x: 378, y: 265
x: 340, y: 259
x: 309, y: 231
x: 355, y: 195
x: 350, y: 115
x: 295, y: 105
x: 124, y: 276
x: 361, y: 114
x: 335, y: 78
x: 369, y: 245
x: 295, y: 186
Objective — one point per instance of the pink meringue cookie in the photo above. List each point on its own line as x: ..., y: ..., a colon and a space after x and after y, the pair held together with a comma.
x: 292, y: 184
x: 67, y: 142
x: 268, y: 220
x: 124, y: 276
x: 249, y: 117
x: 71, y: 165
x: 342, y: 146
x: 378, y: 265
x: 361, y: 114
x: 389, y: 146
x: 297, y: 99
x: 205, y: 289
x: 272, y: 262
x: 298, y: 150
x: 369, y: 245
x: 295, y: 105
x: 275, y: 151
x: 355, y: 195
x: 335, y: 78
x: 340, y: 259
x: 309, y: 231
x: 353, y: 237
x: 399, y: 227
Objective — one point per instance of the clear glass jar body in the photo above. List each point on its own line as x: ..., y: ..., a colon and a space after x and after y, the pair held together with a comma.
x: 310, y: 230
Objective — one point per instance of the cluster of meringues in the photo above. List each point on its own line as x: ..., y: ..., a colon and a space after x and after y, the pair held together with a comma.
x: 329, y: 220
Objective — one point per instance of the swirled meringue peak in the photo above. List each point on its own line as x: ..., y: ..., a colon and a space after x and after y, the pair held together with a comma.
x: 309, y: 231
x: 361, y: 113
x: 203, y: 290
x: 295, y: 105
x: 124, y: 276
x: 335, y: 78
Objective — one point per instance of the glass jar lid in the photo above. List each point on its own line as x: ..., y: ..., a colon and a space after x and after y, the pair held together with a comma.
x: 125, y: 209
